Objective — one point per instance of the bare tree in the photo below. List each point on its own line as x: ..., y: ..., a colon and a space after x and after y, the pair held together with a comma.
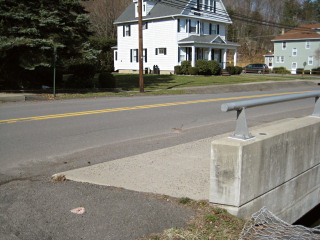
x: 102, y: 15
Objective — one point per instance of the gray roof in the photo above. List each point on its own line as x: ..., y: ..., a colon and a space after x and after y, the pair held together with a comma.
x: 159, y: 10
x: 207, y: 39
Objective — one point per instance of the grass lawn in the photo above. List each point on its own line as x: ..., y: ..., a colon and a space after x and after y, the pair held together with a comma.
x: 174, y: 84
x: 130, y: 82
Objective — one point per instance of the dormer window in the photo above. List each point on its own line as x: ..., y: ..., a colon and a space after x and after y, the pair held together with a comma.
x: 146, y: 7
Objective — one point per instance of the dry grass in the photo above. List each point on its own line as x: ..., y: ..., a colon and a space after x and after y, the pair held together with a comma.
x: 209, y: 223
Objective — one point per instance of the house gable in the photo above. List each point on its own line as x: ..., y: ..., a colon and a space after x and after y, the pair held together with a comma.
x: 174, y: 8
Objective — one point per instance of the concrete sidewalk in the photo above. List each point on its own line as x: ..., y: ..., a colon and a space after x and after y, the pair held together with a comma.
x: 179, y: 171
x: 12, y: 97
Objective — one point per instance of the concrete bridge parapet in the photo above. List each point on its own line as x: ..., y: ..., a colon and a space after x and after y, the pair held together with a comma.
x: 278, y: 169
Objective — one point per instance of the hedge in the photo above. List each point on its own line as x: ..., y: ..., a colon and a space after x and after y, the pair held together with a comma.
x: 185, y: 65
x: 194, y: 70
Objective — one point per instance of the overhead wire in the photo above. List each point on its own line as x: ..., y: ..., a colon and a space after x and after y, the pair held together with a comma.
x: 223, y: 14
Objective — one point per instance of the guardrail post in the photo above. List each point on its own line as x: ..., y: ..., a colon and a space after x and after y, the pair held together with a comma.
x: 316, y: 112
x: 242, y: 131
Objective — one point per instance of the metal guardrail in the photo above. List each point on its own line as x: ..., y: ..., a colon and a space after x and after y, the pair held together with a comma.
x: 242, y: 131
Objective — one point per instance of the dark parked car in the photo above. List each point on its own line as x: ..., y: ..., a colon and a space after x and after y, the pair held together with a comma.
x: 256, y: 68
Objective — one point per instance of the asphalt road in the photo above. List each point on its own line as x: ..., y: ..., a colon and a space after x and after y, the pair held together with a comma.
x: 33, y: 148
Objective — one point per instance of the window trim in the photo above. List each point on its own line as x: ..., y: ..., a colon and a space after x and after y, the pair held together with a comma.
x: 134, y: 55
x: 296, y: 64
x: 281, y: 59
x: 294, y: 52
x: 161, y: 51
x: 308, y: 44
x: 127, y: 30
x: 312, y: 60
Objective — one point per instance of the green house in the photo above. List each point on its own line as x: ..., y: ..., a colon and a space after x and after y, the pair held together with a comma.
x: 298, y: 48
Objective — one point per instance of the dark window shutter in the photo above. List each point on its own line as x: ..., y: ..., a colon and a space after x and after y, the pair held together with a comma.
x: 179, y: 25
x: 145, y: 55
x: 165, y: 51
x: 215, y: 6
x: 129, y: 30
x: 212, y: 54
x: 189, y: 26
x: 156, y: 51
x: 130, y: 55
x: 218, y: 29
x: 198, y: 27
x: 210, y: 29
x: 179, y: 54
x: 137, y: 57
x: 124, y: 30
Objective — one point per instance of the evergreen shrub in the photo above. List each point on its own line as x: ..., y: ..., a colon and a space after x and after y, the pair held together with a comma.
x: 231, y: 70
x: 185, y: 65
x: 300, y: 70
x: 316, y: 71
x: 177, y: 70
x: 203, y: 67
x: 82, y: 74
x: 194, y: 71
x: 238, y: 70
x: 214, y: 67
x: 281, y: 70
x: 107, y: 80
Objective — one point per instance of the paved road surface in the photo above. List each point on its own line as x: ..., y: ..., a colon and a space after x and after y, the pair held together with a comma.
x: 32, y: 207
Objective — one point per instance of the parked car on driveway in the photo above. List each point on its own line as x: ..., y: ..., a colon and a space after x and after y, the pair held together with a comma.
x: 256, y: 68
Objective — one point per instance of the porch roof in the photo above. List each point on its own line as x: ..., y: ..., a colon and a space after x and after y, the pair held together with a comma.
x: 208, y: 40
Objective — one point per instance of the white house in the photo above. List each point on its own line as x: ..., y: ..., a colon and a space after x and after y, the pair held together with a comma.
x: 173, y: 31
x: 298, y: 48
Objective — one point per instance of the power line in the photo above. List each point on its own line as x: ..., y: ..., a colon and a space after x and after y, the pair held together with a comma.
x: 223, y: 15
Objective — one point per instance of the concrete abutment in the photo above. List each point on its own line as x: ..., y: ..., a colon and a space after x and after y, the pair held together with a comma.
x: 279, y: 169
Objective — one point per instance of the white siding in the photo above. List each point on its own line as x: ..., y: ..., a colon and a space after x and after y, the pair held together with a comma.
x: 160, y: 34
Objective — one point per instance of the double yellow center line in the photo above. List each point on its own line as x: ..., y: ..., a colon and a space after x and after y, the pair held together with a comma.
x: 64, y: 115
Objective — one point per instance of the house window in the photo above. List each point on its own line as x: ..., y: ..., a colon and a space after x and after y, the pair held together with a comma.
x: 277, y: 59
x: 145, y: 55
x: 206, y: 5
x: 127, y: 30
x: 134, y: 55
x: 213, y: 5
x: 181, y: 25
x: 182, y: 55
x: 213, y: 29
x: 282, y: 59
x: 310, y: 60
x: 284, y: 45
x: 294, y: 52
x: 308, y: 45
x: 161, y: 51
x: 193, y: 26
x: 145, y: 25
x: 294, y: 66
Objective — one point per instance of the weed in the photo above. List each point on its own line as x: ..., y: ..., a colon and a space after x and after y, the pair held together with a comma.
x: 211, y: 218
x: 185, y: 200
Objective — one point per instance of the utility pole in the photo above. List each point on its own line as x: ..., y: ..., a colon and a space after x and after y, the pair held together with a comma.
x: 141, y: 84
x: 54, y: 70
